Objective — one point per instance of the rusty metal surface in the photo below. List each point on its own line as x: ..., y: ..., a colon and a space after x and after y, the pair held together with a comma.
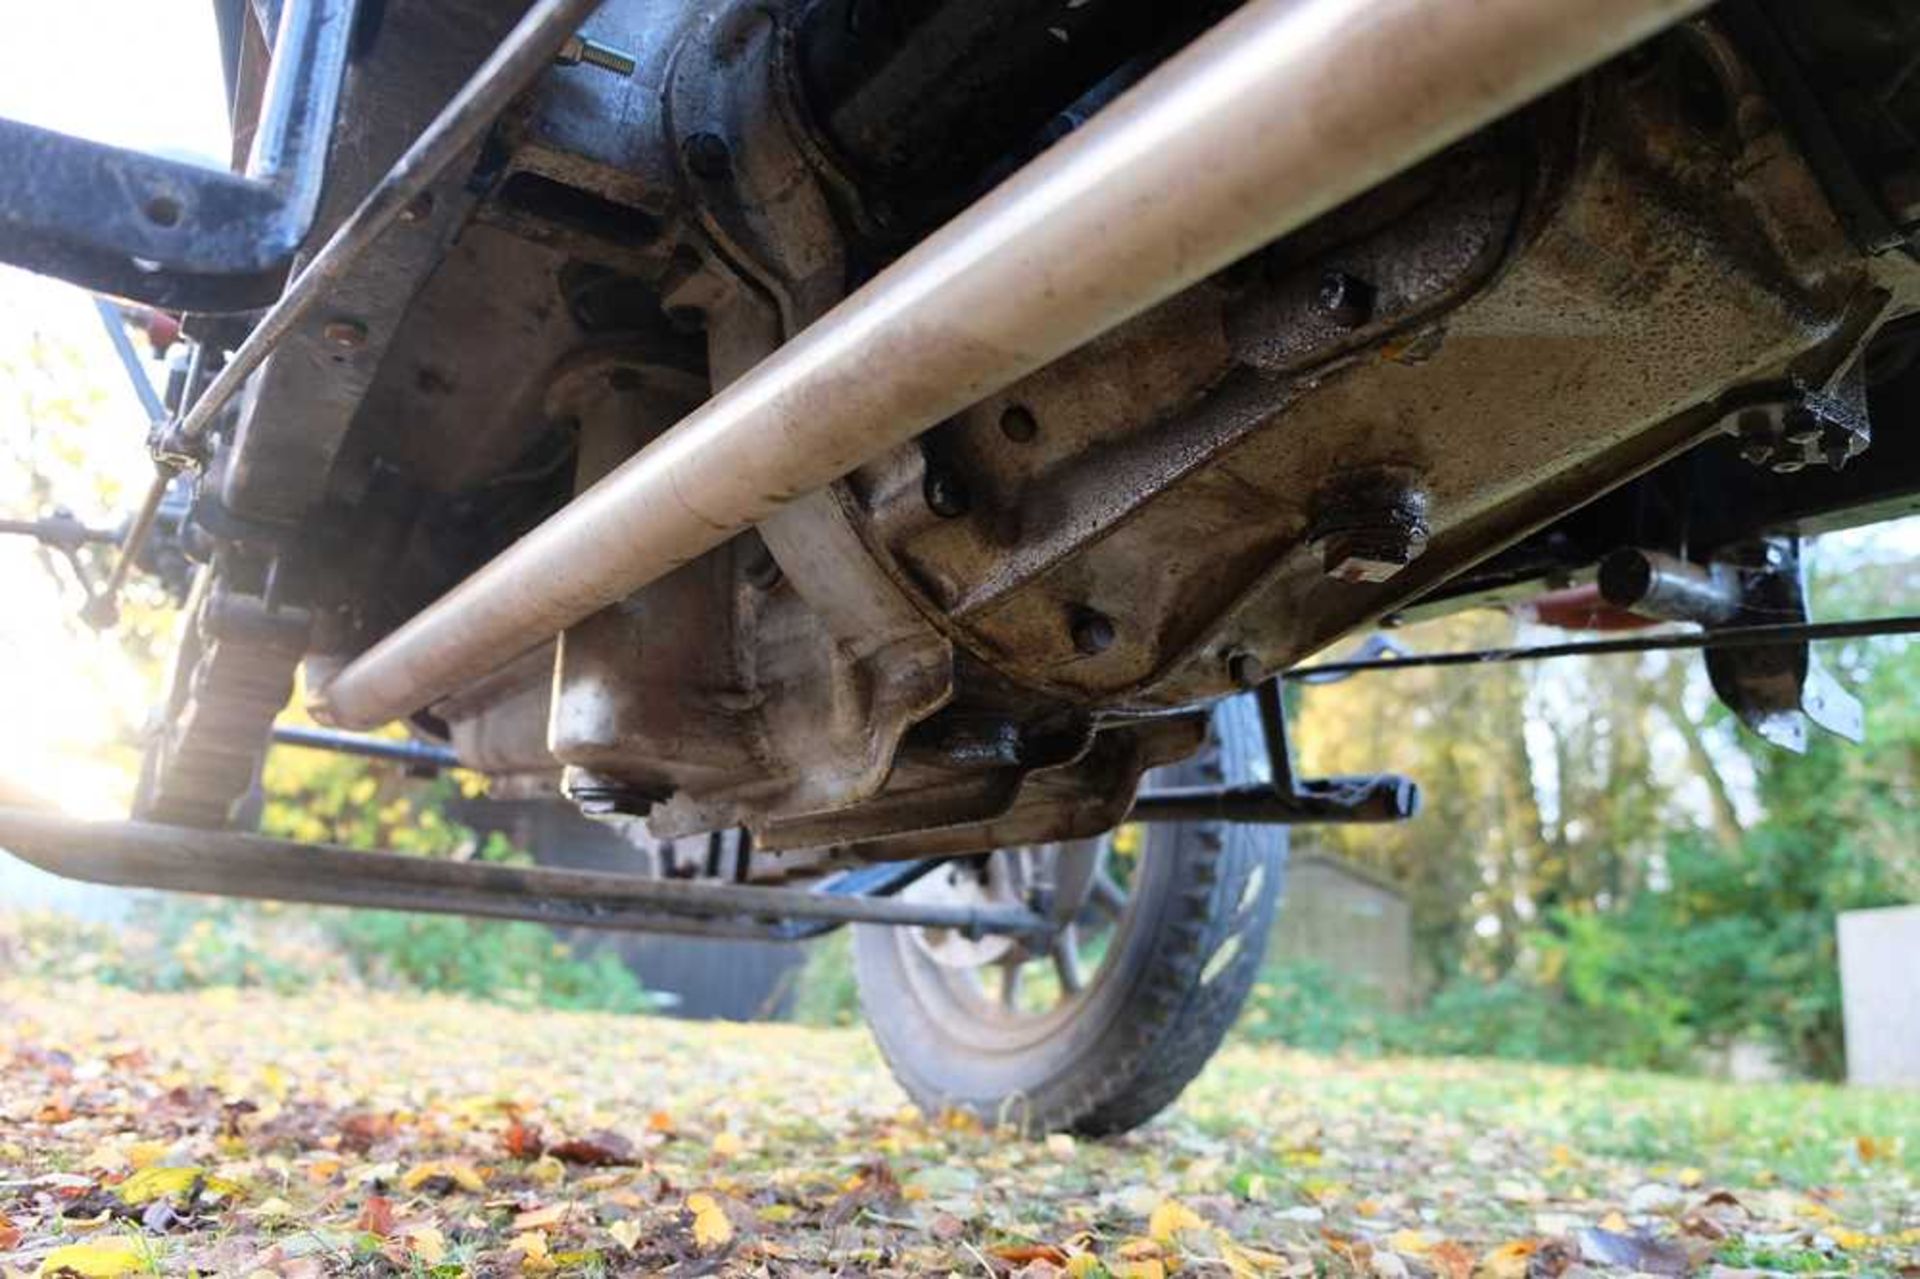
x: 1249, y: 133
x: 985, y: 631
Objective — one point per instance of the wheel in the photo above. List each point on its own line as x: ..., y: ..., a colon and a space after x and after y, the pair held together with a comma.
x: 1098, y: 1032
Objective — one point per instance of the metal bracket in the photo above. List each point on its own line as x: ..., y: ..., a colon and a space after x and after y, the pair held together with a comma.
x: 177, y: 235
x: 1286, y: 799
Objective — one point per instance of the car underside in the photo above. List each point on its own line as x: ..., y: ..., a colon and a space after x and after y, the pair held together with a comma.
x: 852, y: 435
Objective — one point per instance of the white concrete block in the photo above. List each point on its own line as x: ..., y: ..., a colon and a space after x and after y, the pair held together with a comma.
x: 1880, y: 994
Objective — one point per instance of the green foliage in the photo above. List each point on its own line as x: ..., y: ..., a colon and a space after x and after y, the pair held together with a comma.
x: 1306, y: 1005
x: 513, y: 963
x: 826, y: 993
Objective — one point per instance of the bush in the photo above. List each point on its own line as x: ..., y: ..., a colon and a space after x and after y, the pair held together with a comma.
x: 513, y: 963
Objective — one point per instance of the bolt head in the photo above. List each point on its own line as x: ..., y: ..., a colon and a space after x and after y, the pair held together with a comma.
x: 1347, y: 299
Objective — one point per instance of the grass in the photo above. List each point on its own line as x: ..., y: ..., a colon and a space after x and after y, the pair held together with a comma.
x: 765, y: 1149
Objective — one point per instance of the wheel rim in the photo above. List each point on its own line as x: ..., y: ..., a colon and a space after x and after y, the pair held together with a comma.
x: 1002, y: 994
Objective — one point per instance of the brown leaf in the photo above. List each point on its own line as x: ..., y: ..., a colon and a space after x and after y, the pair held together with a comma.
x: 1451, y: 1260
x: 9, y: 1234
x: 376, y: 1216
x: 598, y: 1149
x: 360, y: 1131
x: 1020, y: 1254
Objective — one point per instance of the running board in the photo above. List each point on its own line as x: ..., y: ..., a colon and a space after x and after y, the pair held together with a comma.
x: 180, y: 859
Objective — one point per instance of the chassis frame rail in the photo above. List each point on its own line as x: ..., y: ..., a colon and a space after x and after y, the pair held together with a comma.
x: 143, y: 855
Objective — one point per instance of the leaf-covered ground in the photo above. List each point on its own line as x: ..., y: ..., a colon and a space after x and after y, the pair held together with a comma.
x: 241, y: 1133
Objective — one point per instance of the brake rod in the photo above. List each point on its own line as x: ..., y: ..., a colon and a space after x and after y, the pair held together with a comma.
x: 1732, y: 637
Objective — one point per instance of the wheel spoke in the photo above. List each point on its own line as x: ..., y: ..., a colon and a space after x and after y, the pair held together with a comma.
x: 1107, y: 897
x: 1010, y: 985
x: 1066, y: 959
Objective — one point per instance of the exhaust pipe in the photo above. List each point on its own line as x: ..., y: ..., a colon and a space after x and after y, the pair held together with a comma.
x: 1281, y: 112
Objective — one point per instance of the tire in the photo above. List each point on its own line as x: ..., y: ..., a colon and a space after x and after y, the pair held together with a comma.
x: 1182, y: 955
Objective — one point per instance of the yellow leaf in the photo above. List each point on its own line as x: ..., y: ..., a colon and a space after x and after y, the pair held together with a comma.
x: 726, y: 1143
x: 1615, y: 1223
x: 777, y: 1214
x: 106, y: 1259
x: 142, y: 1153
x: 1872, y: 1148
x: 625, y: 1232
x: 1508, y: 1261
x: 1170, y: 1218
x: 532, y: 1247
x: 546, y: 1171
x: 1690, y: 1177
x: 428, y: 1244
x: 1150, y: 1268
x: 1084, y: 1265
x: 460, y: 1174
x: 711, y: 1228
x: 164, y: 1183
x: 274, y: 1207
x: 1851, y: 1240
x: 1060, y: 1145
x: 1414, y: 1243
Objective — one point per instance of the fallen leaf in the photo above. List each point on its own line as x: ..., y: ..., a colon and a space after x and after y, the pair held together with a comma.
x: 532, y: 1248
x: 524, y: 1142
x: 427, y: 1243
x: 1021, y: 1254
x: 711, y: 1227
x: 1145, y: 1268
x: 597, y: 1149
x: 1450, y: 1260
x: 154, y: 1183
x: 1638, y: 1251
x: 1508, y: 1261
x: 359, y: 1132
x: 625, y: 1232
x: 442, y: 1176
x: 542, y: 1218
x: 1170, y: 1218
x: 727, y: 1143
x: 102, y: 1259
x: 376, y: 1216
